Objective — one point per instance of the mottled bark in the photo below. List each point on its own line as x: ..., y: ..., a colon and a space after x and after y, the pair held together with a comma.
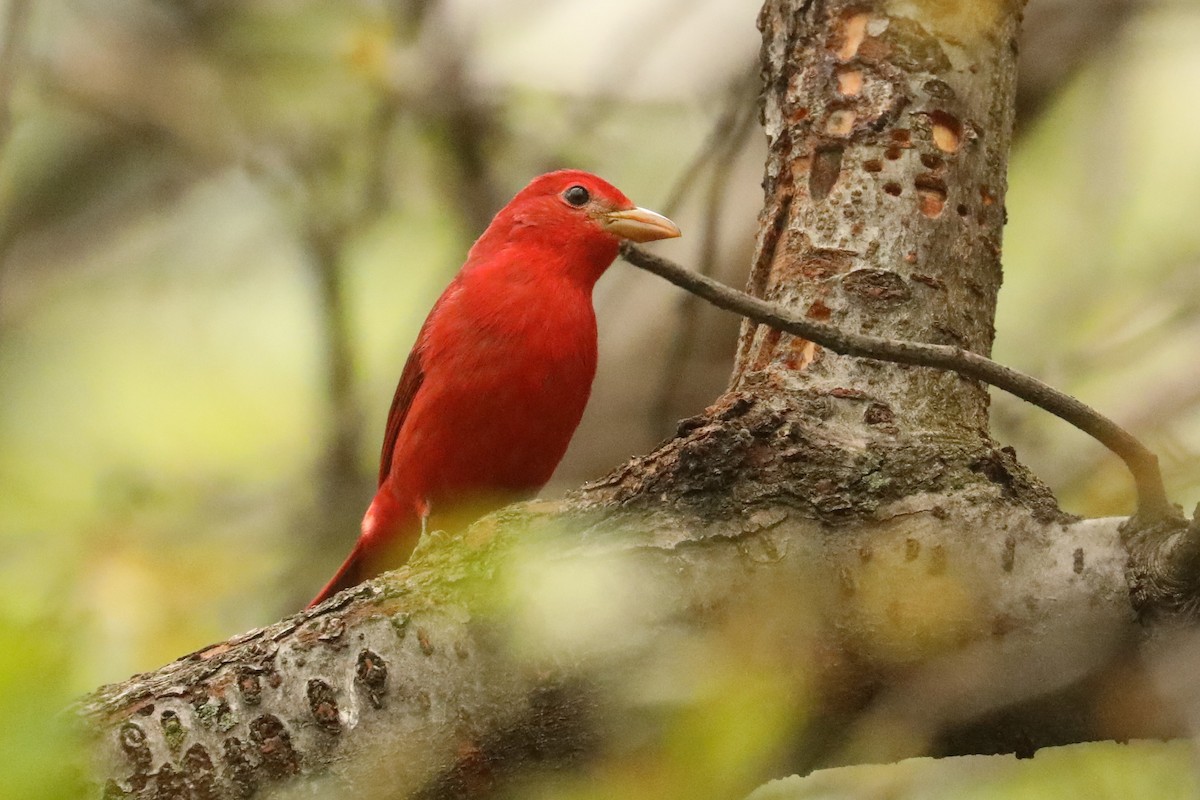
x: 839, y: 535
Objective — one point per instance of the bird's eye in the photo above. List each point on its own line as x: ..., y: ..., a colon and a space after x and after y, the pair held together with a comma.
x: 577, y: 196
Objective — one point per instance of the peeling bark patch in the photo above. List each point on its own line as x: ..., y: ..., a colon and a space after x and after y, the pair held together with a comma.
x: 168, y: 785
x: 199, y: 774
x: 332, y: 630
x: 878, y: 414
x: 877, y: 286
x: 840, y: 123
x: 277, y: 757
x: 250, y: 686
x: 1008, y: 557
x: 172, y: 728
x: 819, y: 311
x: 850, y: 81
x: 238, y: 768
x: 946, y: 130
x: 826, y: 167
x: 371, y: 673
x: 931, y: 192
x: 322, y: 704
x: 928, y: 280
x: 850, y: 34
x: 133, y: 744
x: 1077, y: 564
x: 766, y: 349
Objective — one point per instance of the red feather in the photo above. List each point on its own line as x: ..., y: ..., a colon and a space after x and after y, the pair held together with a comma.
x: 502, y: 368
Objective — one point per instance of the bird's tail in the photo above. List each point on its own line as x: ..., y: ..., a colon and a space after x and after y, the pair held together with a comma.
x: 351, y: 573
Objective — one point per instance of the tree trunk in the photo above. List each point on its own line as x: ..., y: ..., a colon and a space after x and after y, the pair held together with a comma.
x: 834, y: 563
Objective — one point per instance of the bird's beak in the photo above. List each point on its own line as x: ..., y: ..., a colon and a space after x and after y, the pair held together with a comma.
x: 638, y: 225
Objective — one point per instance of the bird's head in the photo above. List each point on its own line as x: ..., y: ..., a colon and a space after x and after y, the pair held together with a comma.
x: 576, y: 216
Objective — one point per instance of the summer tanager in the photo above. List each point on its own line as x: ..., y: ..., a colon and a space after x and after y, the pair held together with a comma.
x: 502, y: 368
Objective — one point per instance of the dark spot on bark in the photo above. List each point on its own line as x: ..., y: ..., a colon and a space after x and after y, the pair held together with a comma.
x: 892, y: 188
x: 826, y: 167
x: 250, y: 686
x: 172, y: 728
x: 994, y: 469
x: 893, y: 152
x: 460, y: 650
x: 270, y: 738
x: 1077, y: 566
x: 928, y: 280
x: 322, y: 703
x: 877, y: 286
x: 931, y: 194
x: 686, y: 426
x: 238, y: 768
x: 962, y: 210
x: 423, y: 641
x: 371, y: 673
x: 938, y: 512
x: 931, y: 161
x: 865, y: 553
x: 873, y: 165
x: 901, y: 136
x: 133, y: 743
x: 878, y: 414
x: 400, y: 623
x: 736, y: 409
x: 938, y: 90
x: 146, y: 710
x: 216, y: 714
x: 937, y: 560
x: 912, y: 549
x: 200, y: 774
x: 1009, y: 555
x: 168, y: 785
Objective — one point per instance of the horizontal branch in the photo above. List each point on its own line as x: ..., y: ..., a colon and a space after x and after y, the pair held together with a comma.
x: 1142, y: 463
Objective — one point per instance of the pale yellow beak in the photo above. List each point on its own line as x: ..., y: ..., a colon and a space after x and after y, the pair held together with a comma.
x: 638, y: 225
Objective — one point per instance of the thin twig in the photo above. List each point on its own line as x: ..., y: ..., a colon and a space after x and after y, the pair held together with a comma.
x: 1142, y: 463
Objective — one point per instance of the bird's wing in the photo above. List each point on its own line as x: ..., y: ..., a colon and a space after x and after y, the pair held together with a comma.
x: 410, y: 382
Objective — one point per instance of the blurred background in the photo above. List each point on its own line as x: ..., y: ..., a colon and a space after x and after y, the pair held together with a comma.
x: 221, y: 224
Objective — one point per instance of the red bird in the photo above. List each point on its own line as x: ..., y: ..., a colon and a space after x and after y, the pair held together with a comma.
x: 502, y: 368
